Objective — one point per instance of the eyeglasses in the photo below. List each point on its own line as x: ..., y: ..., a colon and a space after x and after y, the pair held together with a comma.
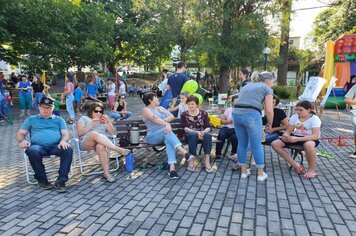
x: 96, y: 111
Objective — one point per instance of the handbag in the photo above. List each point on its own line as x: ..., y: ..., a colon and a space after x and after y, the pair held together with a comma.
x: 270, y: 137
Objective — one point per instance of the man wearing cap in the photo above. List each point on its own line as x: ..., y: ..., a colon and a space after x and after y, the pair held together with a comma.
x: 48, y: 136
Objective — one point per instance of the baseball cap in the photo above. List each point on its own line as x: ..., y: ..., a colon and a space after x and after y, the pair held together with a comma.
x: 46, y: 101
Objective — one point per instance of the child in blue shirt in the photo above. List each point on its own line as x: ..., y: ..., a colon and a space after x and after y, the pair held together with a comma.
x: 78, y: 94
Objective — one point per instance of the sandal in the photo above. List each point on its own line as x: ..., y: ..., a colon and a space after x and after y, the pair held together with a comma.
x: 233, y: 158
x: 191, y: 169
x: 189, y: 157
x: 307, y: 176
x: 299, y: 170
x: 110, y: 178
x: 126, y: 152
x: 208, y: 170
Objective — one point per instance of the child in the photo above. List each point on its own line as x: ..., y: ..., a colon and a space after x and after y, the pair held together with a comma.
x: 78, y: 94
x: 56, y: 103
x: 182, y: 106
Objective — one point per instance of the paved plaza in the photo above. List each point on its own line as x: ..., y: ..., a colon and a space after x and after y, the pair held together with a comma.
x: 147, y: 202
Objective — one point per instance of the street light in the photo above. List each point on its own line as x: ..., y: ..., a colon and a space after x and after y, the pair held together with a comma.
x: 266, y: 52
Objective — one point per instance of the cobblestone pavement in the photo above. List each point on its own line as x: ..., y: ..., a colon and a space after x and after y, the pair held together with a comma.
x: 146, y: 202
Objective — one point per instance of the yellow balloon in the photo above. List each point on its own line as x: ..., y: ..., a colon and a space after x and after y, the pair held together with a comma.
x: 191, y: 86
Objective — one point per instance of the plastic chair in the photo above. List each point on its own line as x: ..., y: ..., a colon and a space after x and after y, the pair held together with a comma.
x: 84, y: 166
x: 30, y: 172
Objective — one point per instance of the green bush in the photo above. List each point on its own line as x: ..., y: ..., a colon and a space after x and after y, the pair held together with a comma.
x: 283, y: 92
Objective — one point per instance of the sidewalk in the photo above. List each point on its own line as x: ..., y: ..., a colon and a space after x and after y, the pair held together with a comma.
x: 147, y: 202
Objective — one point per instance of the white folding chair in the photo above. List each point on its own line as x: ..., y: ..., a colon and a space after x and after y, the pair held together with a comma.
x: 82, y: 154
x: 49, y: 171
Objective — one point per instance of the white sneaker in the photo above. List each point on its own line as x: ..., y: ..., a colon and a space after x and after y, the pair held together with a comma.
x: 262, y: 177
x: 246, y: 174
x: 353, y: 155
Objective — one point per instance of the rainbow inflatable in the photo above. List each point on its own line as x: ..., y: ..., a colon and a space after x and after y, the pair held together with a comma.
x: 340, y: 61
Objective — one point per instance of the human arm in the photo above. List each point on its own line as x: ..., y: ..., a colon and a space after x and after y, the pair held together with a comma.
x: 150, y: 116
x: 20, y: 138
x: 109, y: 127
x: 269, y: 110
x: 284, y: 125
x: 63, y: 143
x: 84, y: 125
x: 350, y: 96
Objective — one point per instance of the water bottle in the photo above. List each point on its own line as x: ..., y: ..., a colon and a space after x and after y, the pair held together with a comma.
x: 134, y: 134
x: 129, y: 163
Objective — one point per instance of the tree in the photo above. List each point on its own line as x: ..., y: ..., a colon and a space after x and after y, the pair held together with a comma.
x: 334, y: 22
x: 233, y: 34
x: 286, y: 8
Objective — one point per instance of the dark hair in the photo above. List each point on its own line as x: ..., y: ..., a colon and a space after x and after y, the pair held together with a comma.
x: 148, y: 97
x: 181, y: 64
x: 193, y: 98
x: 306, y: 105
x: 275, y: 97
x: 92, y: 108
x: 164, y: 70
x: 245, y: 72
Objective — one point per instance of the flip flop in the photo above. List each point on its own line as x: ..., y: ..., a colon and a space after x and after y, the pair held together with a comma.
x: 208, y: 170
x: 309, y: 177
x: 191, y: 169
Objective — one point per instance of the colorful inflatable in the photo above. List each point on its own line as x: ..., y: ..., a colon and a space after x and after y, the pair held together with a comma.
x: 340, y: 61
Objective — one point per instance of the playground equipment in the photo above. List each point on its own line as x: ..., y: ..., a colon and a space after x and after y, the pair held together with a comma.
x: 340, y: 61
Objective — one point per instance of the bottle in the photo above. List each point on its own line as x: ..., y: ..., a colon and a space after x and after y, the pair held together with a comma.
x: 129, y: 162
x: 134, y: 134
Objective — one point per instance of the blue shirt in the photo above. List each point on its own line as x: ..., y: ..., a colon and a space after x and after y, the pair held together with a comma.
x: 78, y: 93
x: 92, y: 89
x: 176, y: 82
x: 44, y: 131
x: 99, y: 82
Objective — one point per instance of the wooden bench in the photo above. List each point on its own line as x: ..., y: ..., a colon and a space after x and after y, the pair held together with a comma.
x: 123, y: 130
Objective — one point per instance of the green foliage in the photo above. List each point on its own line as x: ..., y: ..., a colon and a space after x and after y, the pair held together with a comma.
x: 282, y: 92
x: 53, y: 34
x: 334, y: 22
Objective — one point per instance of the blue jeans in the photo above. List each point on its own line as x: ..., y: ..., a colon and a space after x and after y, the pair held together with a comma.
x: 192, y: 140
x: 226, y: 133
x: 2, y: 106
x: 116, y: 115
x: 70, y: 106
x: 248, y: 128
x: 37, y: 99
x: 25, y: 101
x: 170, y: 140
x: 35, y: 154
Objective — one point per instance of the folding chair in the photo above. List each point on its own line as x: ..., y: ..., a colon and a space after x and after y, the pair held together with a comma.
x: 82, y: 154
x: 30, y: 172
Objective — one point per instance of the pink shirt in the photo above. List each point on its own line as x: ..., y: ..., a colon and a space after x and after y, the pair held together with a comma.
x: 228, y: 115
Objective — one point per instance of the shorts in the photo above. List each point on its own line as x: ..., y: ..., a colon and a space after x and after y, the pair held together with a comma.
x: 300, y: 143
x: 353, y: 119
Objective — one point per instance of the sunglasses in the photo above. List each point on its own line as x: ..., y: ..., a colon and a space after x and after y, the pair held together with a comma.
x: 96, y: 111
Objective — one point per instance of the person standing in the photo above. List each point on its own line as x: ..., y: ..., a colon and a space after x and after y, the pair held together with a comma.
x: 122, y: 88
x: 38, y: 88
x: 248, y: 123
x: 49, y: 136
x: 110, y: 88
x: 25, y: 95
x: 69, y: 95
x: 244, y: 76
x: 99, y: 82
x: 177, y: 80
x: 350, y: 99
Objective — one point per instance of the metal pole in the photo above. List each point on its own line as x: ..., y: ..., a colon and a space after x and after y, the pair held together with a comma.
x: 265, y: 66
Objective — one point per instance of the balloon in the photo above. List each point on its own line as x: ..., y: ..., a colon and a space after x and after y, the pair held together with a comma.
x: 200, y: 98
x: 191, y: 86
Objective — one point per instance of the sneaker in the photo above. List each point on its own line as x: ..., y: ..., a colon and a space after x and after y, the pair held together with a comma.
x: 61, y: 187
x: 246, y: 174
x: 173, y: 174
x: 45, y: 186
x: 218, y: 157
x: 110, y: 178
x: 262, y: 178
x: 353, y: 155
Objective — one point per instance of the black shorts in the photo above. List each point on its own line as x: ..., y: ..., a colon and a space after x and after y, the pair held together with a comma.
x: 300, y: 143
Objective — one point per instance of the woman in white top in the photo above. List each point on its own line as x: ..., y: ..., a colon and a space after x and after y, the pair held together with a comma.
x: 304, y: 130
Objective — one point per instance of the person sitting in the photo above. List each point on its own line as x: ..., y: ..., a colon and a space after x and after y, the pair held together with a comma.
x: 227, y: 132
x: 303, y: 130
x: 132, y: 90
x: 196, y: 125
x: 120, y: 111
x: 48, y: 136
x: 182, y: 106
x: 159, y: 131
x: 279, y: 124
x: 92, y: 130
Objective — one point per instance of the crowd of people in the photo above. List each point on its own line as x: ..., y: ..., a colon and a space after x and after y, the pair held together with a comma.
x: 242, y: 124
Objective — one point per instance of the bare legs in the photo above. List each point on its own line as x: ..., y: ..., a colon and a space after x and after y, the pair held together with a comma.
x: 310, y: 152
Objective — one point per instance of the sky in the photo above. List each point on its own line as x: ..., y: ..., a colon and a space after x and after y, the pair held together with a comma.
x: 302, y: 20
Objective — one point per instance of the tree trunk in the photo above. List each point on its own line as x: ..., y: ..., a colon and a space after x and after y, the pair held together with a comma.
x: 283, y: 49
x: 224, y: 81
